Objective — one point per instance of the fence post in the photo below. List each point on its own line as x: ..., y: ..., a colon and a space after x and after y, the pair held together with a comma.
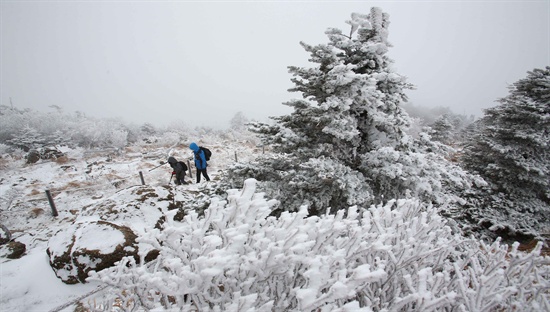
x: 52, y: 204
x: 141, y: 177
x: 190, y: 171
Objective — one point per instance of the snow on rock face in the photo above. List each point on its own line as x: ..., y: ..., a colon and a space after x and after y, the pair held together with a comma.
x: 137, y: 207
x: 82, y: 247
x: 106, y: 232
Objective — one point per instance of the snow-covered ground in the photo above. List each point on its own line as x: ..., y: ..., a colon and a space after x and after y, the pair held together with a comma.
x: 391, y: 256
x: 77, y: 184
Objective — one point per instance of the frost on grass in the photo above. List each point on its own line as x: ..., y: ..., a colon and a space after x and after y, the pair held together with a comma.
x: 394, y: 257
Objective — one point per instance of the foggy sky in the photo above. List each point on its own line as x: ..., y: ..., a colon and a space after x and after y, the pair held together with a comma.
x: 202, y: 62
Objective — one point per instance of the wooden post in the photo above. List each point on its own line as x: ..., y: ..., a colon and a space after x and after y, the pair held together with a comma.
x: 52, y: 204
x: 141, y: 177
x: 189, y: 167
x: 7, y: 232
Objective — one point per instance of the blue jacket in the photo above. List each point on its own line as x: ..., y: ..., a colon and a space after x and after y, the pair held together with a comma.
x: 200, y: 160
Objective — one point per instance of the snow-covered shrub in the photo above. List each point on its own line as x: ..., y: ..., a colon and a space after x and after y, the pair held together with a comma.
x: 4, y: 149
x: 94, y: 133
x: 29, y: 129
x: 170, y: 138
x: 27, y: 138
x: 423, y: 174
x: 119, y: 138
x: 323, y: 184
x: 395, y: 257
x: 178, y: 126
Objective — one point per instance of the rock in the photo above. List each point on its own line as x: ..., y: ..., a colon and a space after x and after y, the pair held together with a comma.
x: 33, y: 156
x: 84, y: 247
x: 35, y: 213
x: 151, y: 255
x: 50, y: 152
x: 16, y: 250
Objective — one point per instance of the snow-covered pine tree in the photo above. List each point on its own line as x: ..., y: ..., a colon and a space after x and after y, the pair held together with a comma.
x: 345, y: 143
x: 511, y: 150
x: 350, y: 107
x: 354, y: 90
x: 238, y: 122
x: 443, y: 129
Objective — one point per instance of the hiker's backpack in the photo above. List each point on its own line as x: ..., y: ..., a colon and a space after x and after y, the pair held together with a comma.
x: 183, y: 165
x: 207, y: 152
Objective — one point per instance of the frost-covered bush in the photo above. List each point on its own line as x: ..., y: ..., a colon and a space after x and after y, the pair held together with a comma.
x: 170, y: 138
x: 4, y: 149
x: 13, y: 122
x: 323, y: 184
x: 28, y: 129
x: 93, y: 133
x: 27, y: 138
x: 119, y: 138
x: 395, y: 257
x: 178, y: 126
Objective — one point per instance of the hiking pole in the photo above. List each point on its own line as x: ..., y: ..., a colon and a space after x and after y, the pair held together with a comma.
x: 171, y: 178
x: 161, y: 163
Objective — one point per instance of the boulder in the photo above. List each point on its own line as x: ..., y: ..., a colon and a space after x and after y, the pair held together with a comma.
x: 83, y: 247
x: 33, y: 156
x: 51, y: 152
x: 16, y: 250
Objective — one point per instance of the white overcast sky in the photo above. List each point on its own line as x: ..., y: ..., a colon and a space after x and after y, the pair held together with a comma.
x: 203, y: 61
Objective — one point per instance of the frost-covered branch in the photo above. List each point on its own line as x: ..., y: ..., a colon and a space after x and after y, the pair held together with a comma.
x: 393, y: 257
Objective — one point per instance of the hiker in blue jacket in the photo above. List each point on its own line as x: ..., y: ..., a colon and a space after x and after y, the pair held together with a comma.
x: 200, y: 162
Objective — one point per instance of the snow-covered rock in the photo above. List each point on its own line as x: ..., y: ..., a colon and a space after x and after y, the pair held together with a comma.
x: 33, y: 156
x: 16, y: 250
x: 82, y: 247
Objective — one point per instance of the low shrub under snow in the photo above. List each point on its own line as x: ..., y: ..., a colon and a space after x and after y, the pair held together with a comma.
x: 400, y: 256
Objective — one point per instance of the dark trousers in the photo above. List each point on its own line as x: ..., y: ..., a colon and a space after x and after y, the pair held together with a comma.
x: 203, y: 171
x: 180, y: 178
